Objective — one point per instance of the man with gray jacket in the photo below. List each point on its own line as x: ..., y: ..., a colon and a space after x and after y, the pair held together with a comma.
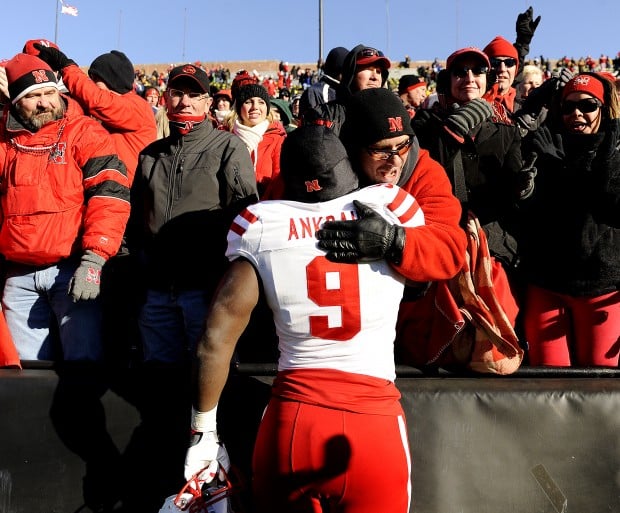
x: 188, y: 188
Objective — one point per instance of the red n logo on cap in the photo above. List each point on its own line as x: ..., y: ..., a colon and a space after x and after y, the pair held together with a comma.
x: 39, y: 76
x: 396, y: 124
x: 313, y: 185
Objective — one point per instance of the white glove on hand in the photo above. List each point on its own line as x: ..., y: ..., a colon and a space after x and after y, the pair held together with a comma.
x: 205, y: 450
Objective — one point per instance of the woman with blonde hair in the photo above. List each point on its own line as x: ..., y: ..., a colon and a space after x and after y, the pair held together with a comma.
x: 252, y: 120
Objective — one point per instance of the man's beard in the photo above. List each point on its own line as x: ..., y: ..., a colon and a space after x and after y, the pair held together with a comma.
x: 35, y: 120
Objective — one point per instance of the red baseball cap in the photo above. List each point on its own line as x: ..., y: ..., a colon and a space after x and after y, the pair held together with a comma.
x: 31, y: 50
x: 368, y: 55
x: 470, y: 50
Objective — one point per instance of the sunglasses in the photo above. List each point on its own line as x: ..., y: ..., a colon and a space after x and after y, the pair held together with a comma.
x: 385, y: 154
x: 476, y: 70
x: 369, y: 52
x: 584, y: 106
x: 178, y: 94
x: 509, y: 62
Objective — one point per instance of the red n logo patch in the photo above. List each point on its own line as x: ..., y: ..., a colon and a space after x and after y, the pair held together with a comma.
x: 39, y: 76
x: 313, y: 185
x: 396, y: 124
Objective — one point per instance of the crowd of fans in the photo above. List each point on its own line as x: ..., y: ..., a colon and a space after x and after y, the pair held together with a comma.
x: 513, y: 161
x: 290, y: 81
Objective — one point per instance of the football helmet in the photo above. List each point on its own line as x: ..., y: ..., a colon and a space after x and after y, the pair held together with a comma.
x: 198, y: 496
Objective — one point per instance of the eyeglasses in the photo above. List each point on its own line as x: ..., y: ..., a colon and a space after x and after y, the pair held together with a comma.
x: 385, y: 154
x: 369, y: 52
x: 584, y: 106
x: 178, y: 94
x: 476, y: 70
x: 509, y: 62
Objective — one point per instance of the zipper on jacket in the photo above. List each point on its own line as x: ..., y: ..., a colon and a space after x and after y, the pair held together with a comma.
x: 174, y: 179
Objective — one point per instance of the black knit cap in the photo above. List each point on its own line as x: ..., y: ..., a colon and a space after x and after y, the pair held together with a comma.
x: 375, y: 114
x: 314, y: 165
x: 115, y: 70
x: 250, y: 91
x: 408, y: 82
x: 334, y: 61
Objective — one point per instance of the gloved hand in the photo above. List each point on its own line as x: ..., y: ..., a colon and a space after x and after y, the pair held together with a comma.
x: 86, y: 280
x: 526, y: 26
x: 546, y: 145
x: 526, y: 177
x: 205, y: 450
x: 561, y: 77
x: 368, y: 238
x: 53, y: 57
x: 469, y: 116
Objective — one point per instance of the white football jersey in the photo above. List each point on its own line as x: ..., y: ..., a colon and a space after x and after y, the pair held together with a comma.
x: 327, y: 315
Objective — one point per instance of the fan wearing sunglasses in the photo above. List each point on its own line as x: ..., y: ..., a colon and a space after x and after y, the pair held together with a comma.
x: 504, y: 61
x: 482, y: 158
x: 571, y: 231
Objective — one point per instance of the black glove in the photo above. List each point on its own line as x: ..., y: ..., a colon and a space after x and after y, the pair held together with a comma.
x: 53, y: 57
x: 561, y: 77
x: 526, y: 26
x: 368, y: 238
x: 546, y: 145
x: 469, y: 116
x: 526, y: 177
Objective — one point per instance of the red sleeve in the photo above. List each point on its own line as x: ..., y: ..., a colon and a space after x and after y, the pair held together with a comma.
x: 127, y: 117
x: 435, y: 251
x: 106, y: 190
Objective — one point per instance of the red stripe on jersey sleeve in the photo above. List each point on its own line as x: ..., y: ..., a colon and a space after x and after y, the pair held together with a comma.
x: 248, y: 216
x: 408, y: 215
x: 398, y: 201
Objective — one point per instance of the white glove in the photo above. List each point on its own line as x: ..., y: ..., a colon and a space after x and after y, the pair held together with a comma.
x: 205, y: 450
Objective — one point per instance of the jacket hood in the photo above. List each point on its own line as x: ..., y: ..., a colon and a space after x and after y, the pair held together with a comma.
x: 348, y: 71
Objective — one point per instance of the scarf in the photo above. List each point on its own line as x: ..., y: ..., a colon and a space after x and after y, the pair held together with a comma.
x: 251, y: 136
x: 184, y: 123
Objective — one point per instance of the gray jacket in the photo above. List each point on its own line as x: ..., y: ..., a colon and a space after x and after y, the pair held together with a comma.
x: 187, y: 190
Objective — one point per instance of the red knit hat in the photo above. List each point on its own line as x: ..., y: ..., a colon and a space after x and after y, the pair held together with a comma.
x: 585, y: 84
x: 501, y: 47
x: 25, y: 73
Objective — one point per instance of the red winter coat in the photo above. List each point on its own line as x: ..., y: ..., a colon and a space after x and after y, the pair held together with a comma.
x: 127, y: 117
x: 268, y: 161
x: 63, y: 189
x: 435, y: 251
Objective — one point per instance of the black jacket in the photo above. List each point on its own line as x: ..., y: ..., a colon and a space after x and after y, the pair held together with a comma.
x: 488, y: 185
x: 570, y: 240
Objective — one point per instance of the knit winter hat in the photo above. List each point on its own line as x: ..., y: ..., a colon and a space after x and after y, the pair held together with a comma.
x: 314, y: 165
x: 115, y: 70
x: 501, y: 47
x: 585, y: 84
x: 26, y: 73
x: 375, y: 114
x: 196, y: 78
x: 409, y: 82
x: 334, y: 61
x: 250, y: 91
x: 241, y: 79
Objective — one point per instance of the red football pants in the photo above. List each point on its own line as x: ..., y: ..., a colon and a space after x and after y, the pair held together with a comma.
x: 311, y: 459
x: 564, y: 331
